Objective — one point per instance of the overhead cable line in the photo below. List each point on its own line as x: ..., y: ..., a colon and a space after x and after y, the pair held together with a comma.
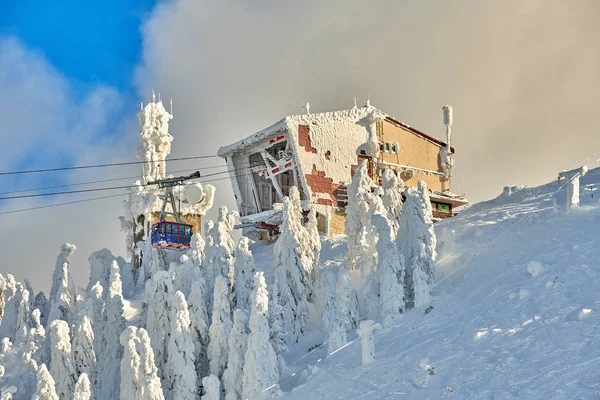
x: 32, y: 171
x: 62, y: 204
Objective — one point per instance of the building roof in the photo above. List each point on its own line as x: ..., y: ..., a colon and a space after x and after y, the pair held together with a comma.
x: 282, y: 125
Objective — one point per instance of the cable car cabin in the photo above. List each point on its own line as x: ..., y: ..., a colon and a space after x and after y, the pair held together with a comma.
x: 171, y: 235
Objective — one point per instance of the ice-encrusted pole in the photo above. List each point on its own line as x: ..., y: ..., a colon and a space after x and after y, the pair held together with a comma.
x: 155, y: 139
x: 447, y: 158
x: 365, y: 331
x: 573, y: 188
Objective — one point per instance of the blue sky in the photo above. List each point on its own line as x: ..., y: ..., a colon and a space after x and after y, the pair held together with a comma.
x: 90, y: 42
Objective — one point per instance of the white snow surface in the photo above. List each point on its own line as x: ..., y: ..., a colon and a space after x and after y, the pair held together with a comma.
x: 483, y: 340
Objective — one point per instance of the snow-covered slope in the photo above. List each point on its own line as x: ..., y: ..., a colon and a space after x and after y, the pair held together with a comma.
x: 516, y: 312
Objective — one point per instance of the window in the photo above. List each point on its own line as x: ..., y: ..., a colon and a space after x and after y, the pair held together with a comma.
x: 175, y: 229
x: 168, y: 229
x: 188, y: 230
x: 387, y: 147
x: 395, y: 148
x: 445, y: 208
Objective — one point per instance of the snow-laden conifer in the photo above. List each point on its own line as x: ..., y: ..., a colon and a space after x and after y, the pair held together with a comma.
x: 84, y: 356
x: 363, y: 201
x: 416, y: 239
x: 83, y: 388
x: 130, y: 364
x: 184, y: 274
x: 151, y: 388
x: 238, y: 340
x: 219, y: 256
x: 61, y: 277
x: 180, y: 374
x: 37, y: 339
x: 196, y: 250
x: 112, y: 351
x: 17, y: 320
x: 244, y: 274
x: 65, y: 298
x: 314, y: 237
x: 390, y: 271
x: 278, y: 336
x: 62, y: 368
x: 289, y: 275
x: 46, y: 389
x: 392, y: 199
x: 100, y: 266
x: 158, y: 290
x: 344, y: 310
x: 199, y: 326
x: 260, y: 361
x: 220, y: 327
x: 212, y: 388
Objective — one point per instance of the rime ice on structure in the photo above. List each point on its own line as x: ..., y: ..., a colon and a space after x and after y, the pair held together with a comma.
x: 142, y: 208
x: 318, y: 151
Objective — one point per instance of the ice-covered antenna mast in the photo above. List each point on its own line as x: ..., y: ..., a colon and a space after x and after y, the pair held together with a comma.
x: 448, y: 122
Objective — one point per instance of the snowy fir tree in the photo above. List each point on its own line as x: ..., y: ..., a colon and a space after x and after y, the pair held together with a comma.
x: 363, y: 201
x: 109, y: 358
x: 16, y: 320
x: 199, y: 326
x: 390, y: 271
x: 212, y: 388
x: 260, y: 361
x: 278, y: 336
x: 238, y: 340
x: 196, y: 250
x: 158, y: 290
x: 62, y: 368
x: 289, y: 275
x: 61, y: 277
x: 220, y: 327
x: 41, y: 303
x: 130, y: 364
x: 184, y: 274
x: 37, y: 339
x: 84, y: 356
x: 327, y: 284
x: 244, y: 274
x: 421, y: 287
x: 219, y: 256
x: 180, y: 374
x: 29, y: 288
x: 416, y: 239
x: 344, y: 310
x: 64, y: 300
x: 392, y: 199
x: 314, y: 237
x: 150, y: 388
x: 83, y: 388
x: 100, y: 266
x: 305, y: 242
x: 46, y: 389
x: 370, y: 296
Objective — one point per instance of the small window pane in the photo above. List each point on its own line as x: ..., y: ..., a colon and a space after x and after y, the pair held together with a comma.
x: 188, y: 231
x: 394, y: 148
x: 387, y: 147
x: 168, y: 229
x: 444, y: 208
x: 175, y: 229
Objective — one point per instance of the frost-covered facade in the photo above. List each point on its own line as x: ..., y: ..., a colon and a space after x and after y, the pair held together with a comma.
x: 318, y: 153
x: 142, y: 208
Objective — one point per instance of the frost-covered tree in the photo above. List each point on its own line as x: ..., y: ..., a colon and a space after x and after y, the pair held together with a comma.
x: 46, y: 389
x: 84, y: 356
x: 112, y: 351
x: 278, y: 334
x: 392, y: 199
x: 139, y: 379
x: 154, y: 260
x: 416, y: 239
x: 314, y: 237
x: 83, y: 388
x: 199, y: 326
x: 180, y: 374
x: 260, y: 361
x: 421, y: 287
x: 289, y: 275
x: 130, y: 364
x: 41, y: 303
x: 344, y: 310
x: 244, y: 273
x: 196, y: 250
x: 327, y: 283
x: 61, y: 277
x: 158, y: 290
x: 390, y: 271
x: 238, y: 340
x: 220, y: 327
x: 363, y: 201
x: 184, y: 275
x: 212, y: 388
x: 37, y: 339
x: 62, y: 368
x: 100, y: 266
x: 219, y: 256
x: 17, y: 320
x: 370, y: 295
x: 65, y: 297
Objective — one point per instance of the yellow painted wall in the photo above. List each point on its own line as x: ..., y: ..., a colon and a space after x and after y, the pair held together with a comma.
x: 336, y: 223
x: 413, y: 151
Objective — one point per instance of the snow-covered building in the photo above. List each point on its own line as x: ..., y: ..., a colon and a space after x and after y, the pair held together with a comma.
x: 143, y: 207
x: 318, y: 153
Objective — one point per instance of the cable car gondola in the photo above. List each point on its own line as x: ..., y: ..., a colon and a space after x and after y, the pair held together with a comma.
x: 171, y: 235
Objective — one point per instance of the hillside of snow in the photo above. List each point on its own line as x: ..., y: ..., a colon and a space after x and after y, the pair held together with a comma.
x: 516, y: 311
